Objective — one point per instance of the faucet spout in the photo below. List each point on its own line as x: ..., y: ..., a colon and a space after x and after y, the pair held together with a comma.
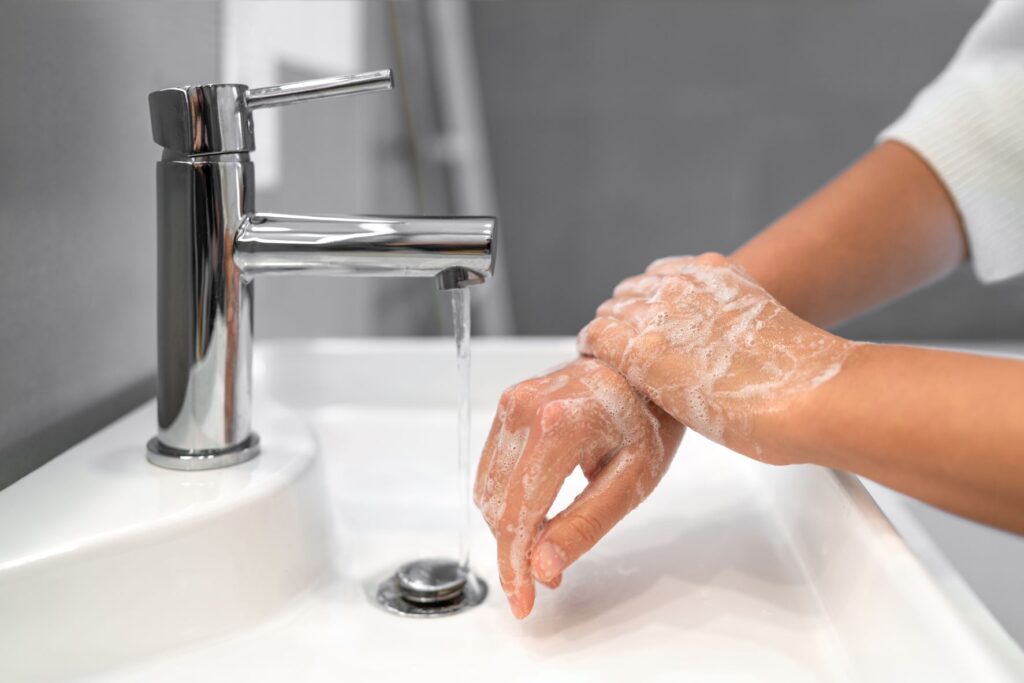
x: 212, y: 243
x: 456, y: 250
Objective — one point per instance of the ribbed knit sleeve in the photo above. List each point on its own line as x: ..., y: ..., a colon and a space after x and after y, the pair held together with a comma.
x: 968, y: 125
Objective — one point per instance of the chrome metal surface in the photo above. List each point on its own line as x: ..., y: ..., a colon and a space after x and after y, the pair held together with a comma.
x: 431, y: 588
x: 204, y: 306
x: 211, y: 244
x: 202, y: 119
x: 431, y: 580
x: 456, y: 278
x: 173, y: 459
x: 365, y: 245
x: 304, y: 91
x: 217, y: 118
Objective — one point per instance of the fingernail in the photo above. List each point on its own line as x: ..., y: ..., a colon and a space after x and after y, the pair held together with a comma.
x: 581, y: 340
x: 555, y: 582
x: 548, y: 562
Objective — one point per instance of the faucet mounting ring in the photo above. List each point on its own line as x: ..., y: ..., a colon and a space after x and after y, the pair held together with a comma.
x: 176, y: 459
x: 433, y: 587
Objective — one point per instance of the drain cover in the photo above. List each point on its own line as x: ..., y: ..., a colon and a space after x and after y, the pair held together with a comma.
x: 431, y: 587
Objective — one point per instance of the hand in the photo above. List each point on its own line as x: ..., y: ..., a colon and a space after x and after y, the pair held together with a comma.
x: 583, y: 414
x: 710, y: 346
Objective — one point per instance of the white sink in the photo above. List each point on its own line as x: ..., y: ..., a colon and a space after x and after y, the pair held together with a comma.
x: 113, y: 568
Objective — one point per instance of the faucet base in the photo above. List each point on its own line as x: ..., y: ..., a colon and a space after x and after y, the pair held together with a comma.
x: 176, y: 459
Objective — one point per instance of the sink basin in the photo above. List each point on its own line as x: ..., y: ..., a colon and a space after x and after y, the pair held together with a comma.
x: 114, y: 569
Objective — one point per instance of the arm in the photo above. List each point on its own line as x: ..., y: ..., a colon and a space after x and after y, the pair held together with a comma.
x: 947, y: 428
x: 881, y: 229
x: 718, y: 353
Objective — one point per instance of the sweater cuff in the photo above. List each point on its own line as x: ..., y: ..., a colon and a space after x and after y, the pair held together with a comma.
x: 969, y: 127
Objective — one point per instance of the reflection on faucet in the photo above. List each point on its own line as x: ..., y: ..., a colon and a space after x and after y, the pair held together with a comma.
x: 211, y: 244
x: 363, y: 245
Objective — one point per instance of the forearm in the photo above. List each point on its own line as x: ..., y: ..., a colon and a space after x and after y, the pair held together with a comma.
x: 881, y: 229
x: 947, y: 428
x: 714, y: 350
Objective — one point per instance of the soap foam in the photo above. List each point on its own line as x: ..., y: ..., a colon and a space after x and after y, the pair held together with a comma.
x: 613, y: 426
x: 715, y: 350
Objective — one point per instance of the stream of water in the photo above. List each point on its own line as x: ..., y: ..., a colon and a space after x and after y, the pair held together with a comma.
x: 461, y: 323
x: 438, y: 586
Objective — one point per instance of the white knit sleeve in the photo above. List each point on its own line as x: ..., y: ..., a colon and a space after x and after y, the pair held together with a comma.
x: 968, y: 124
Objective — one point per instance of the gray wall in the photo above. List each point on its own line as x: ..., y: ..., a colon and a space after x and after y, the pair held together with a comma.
x: 355, y: 155
x: 625, y: 131
x: 76, y: 210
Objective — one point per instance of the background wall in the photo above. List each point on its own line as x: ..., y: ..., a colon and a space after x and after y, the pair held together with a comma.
x: 77, y: 238
x: 626, y: 131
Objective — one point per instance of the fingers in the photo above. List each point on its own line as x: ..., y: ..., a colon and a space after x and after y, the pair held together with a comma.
x: 561, y: 437
x: 620, y: 345
x: 503, y: 449
x: 712, y: 258
x: 552, y: 584
x: 638, y: 286
x: 670, y: 288
x: 640, y: 314
x: 619, y: 487
x: 615, y: 308
x: 669, y: 265
x: 483, y: 469
x: 622, y: 484
x: 679, y: 265
x: 648, y: 284
x: 607, y: 339
x: 674, y: 265
x: 543, y: 429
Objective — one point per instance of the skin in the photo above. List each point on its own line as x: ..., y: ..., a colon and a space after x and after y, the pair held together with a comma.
x: 884, y: 227
x: 943, y: 427
x: 581, y: 415
x: 713, y: 348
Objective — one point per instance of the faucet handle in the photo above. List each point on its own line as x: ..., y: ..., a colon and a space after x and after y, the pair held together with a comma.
x: 305, y: 91
x: 217, y: 119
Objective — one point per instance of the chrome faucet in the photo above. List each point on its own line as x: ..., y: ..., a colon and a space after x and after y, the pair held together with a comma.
x: 211, y: 243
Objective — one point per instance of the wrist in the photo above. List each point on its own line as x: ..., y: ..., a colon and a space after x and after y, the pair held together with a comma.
x: 800, y: 429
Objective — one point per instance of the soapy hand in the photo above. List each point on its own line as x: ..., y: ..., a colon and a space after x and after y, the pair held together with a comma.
x: 583, y: 414
x: 710, y: 346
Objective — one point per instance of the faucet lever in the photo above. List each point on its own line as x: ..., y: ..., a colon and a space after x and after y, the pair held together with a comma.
x: 305, y: 91
x: 203, y: 120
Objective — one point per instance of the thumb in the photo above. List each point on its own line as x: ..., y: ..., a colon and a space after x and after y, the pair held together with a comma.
x: 615, y: 490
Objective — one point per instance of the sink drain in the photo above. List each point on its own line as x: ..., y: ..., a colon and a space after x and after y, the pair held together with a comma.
x: 431, y: 588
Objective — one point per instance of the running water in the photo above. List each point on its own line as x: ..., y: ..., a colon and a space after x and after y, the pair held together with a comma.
x: 461, y: 323
x: 439, y: 586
